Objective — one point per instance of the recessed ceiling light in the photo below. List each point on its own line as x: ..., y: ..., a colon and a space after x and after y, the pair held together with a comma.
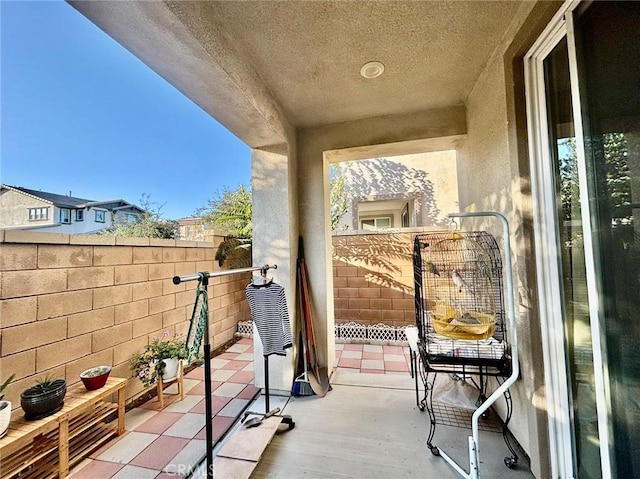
x: 372, y: 69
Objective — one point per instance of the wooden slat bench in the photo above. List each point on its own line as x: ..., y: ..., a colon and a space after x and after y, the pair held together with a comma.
x: 49, y: 447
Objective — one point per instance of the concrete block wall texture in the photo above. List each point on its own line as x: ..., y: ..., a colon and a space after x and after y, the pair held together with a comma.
x: 373, y: 278
x: 71, y: 302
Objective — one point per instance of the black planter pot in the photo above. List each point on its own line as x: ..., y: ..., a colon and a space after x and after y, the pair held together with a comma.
x: 38, y: 404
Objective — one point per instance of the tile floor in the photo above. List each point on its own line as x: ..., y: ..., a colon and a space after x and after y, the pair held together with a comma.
x: 373, y: 358
x: 169, y: 443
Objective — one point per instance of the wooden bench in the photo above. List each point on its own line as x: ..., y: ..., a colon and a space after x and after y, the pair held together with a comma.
x: 49, y: 447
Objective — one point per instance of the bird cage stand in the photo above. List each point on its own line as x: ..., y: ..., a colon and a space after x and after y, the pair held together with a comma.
x: 467, y: 319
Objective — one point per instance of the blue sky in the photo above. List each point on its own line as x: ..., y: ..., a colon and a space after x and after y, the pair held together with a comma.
x: 80, y: 113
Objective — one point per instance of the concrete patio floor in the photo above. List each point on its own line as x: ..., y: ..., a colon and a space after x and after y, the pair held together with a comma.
x: 368, y: 426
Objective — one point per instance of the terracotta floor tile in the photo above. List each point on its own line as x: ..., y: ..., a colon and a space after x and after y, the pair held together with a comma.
x: 101, y: 469
x: 154, y: 404
x: 159, y: 423
x: 372, y: 355
x: 396, y: 366
x: 197, y: 373
x: 217, y: 403
x: 243, y: 377
x: 236, y: 365
x: 197, y: 390
x: 372, y: 371
x: 159, y: 453
x: 249, y: 392
x: 349, y: 363
x: 352, y: 347
x: 229, y: 356
x: 220, y: 426
x: 393, y: 349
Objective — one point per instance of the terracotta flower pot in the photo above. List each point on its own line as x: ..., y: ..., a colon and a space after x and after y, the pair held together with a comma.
x: 95, y: 378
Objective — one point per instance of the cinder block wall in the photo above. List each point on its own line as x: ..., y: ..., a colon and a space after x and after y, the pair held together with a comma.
x: 70, y: 302
x: 373, y: 278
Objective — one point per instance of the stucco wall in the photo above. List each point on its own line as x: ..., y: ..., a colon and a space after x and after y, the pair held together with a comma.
x: 14, y: 209
x: 493, y: 175
x: 429, y: 177
x: 69, y: 302
x: 367, y: 138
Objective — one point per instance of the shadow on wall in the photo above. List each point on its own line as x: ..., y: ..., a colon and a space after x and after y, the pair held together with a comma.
x: 382, y: 179
x: 373, y: 278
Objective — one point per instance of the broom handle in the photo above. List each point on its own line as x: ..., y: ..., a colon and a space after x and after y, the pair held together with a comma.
x: 308, y: 315
x: 305, y: 348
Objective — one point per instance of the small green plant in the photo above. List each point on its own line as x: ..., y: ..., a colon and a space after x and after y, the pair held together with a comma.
x: 92, y: 373
x: 44, y: 384
x: 4, y: 385
x: 149, y: 364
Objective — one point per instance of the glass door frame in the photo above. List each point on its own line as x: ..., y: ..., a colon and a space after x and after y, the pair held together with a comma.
x: 549, y: 284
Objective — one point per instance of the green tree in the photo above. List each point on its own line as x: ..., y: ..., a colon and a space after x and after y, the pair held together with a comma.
x: 615, y: 186
x: 231, y: 211
x: 150, y: 224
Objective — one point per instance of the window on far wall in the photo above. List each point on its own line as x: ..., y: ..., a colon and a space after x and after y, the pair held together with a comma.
x: 79, y: 215
x: 65, y: 215
x: 380, y: 223
x: 405, y: 216
x: 38, y: 214
x: 99, y: 216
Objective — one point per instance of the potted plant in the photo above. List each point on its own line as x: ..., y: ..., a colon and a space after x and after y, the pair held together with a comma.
x: 159, y: 358
x: 5, y: 408
x: 95, y: 378
x: 43, y: 399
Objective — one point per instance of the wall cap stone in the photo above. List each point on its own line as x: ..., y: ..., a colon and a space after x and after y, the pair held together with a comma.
x: 187, y: 244
x: 131, y: 241
x: 25, y: 236
x: 161, y: 242
x: 92, y: 240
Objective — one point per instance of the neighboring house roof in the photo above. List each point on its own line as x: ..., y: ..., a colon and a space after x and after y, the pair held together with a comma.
x: 64, y: 201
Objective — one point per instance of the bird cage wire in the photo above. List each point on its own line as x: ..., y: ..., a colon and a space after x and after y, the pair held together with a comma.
x: 459, y: 294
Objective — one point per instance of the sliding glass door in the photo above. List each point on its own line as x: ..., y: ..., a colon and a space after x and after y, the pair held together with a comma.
x: 584, y: 94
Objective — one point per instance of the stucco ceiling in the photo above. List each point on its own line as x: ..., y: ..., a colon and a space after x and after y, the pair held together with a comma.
x: 310, y: 53
x: 266, y: 68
